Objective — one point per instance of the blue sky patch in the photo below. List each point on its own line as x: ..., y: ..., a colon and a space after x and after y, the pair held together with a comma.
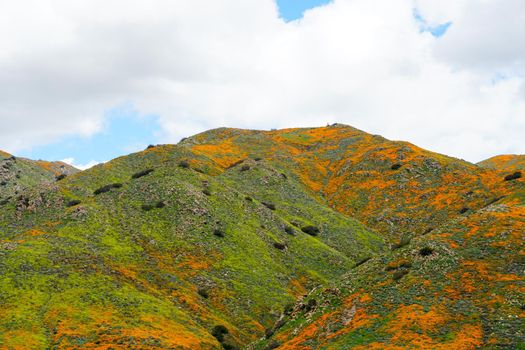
x: 290, y: 10
x: 436, y: 30
x: 125, y: 131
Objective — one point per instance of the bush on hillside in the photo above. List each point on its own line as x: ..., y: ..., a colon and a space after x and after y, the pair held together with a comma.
x: 158, y: 205
x: 150, y: 147
x: 257, y: 159
x: 219, y: 332
x: 426, y: 251
x: 464, y: 210
x: 514, y: 176
x: 289, y: 230
x: 280, y: 246
x: 60, y: 177
x: 107, y: 188
x: 245, y: 168
x: 270, y: 206
x: 248, y: 198
x: 73, y: 202
x: 362, y: 261
x: 311, y: 230
x: 274, y: 344
x: 206, y: 192
x: 218, y: 232
x: 184, y: 164
x: 141, y: 173
x: 203, y: 292
x: 395, y: 166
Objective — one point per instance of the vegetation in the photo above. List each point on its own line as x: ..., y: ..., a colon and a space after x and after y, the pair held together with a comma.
x: 106, y: 274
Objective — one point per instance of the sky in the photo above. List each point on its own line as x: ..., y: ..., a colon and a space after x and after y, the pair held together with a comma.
x: 87, y: 81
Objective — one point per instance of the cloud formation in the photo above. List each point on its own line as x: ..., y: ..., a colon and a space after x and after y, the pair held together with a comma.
x: 199, y: 64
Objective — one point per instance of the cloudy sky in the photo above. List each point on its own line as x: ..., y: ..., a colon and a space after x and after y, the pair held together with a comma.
x: 88, y: 80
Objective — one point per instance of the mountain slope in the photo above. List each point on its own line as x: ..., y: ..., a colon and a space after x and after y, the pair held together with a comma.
x: 17, y: 174
x: 460, y: 287
x: 394, y: 187
x: 507, y: 162
x: 168, y: 254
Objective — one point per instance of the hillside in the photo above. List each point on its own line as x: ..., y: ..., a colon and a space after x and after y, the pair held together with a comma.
x: 507, y: 162
x: 166, y: 254
x: 460, y: 287
x: 317, y: 237
x: 17, y: 174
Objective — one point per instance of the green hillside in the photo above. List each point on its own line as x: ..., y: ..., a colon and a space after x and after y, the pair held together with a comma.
x: 313, y: 238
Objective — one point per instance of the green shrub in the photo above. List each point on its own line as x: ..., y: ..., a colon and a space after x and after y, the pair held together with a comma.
x: 464, y: 210
x: 73, y: 202
x: 218, y: 232
x: 203, y: 292
x: 106, y: 188
x: 426, y: 251
x: 60, y: 177
x: 218, y: 332
x: 280, y: 246
x: 513, y: 176
x: 273, y: 344
x: 396, y: 166
x: 141, y: 173
x: 248, y: 198
x: 362, y: 261
x: 245, y: 168
x: 184, y: 164
x: 270, y: 206
x: 311, y: 230
x: 206, y: 192
x: 289, y: 230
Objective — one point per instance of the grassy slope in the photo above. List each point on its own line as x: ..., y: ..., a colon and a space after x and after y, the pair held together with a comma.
x: 353, y: 171
x: 107, y: 273
x: 507, y: 162
x: 17, y: 174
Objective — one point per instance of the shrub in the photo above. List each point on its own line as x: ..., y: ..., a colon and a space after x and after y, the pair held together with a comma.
x: 289, y: 230
x: 206, y: 192
x: 158, y: 205
x: 464, y: 210
x: 399, y: 274
x: 73, y: 202
x: 147, y: 207
x: 362, y: 261
x: 150, y: 147
x: 184, y: 164
x: 248, y: 198
x: 245, y: 168
x: 141, y: 173
x: 428, y: 230
x: 280, y: 246
x: 405, y: 240
x: 106, y: 188
x: 3, y: 183
x: 227, y: 346
x: 310, y: 305
x: 426, y: 251
x: 60, y: 177
x: 218, y: 332
x: 219, y: 233
x: 311, y: 230
x: 5, y: 201
x: 284, y: 176
x: 270, y: 206
x: 203, y: 292
x: 514, y: 176
x: 395, y: 166
x: 257, y: 159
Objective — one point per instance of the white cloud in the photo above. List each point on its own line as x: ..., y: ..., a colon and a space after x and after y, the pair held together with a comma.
x: 206, y: 63
x: 71, y: 161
